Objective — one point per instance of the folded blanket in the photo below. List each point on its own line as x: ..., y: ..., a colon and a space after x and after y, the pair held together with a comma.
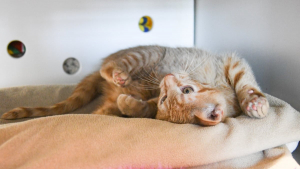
x: 98, y: 141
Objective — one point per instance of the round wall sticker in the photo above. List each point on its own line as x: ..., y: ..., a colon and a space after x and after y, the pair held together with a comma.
x: 145, y: 23
x: 71, y: 65
x: 16, y: 49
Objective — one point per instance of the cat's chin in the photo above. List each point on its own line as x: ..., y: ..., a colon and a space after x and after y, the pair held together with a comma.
x: 209, y: 119
x: 204, y: 122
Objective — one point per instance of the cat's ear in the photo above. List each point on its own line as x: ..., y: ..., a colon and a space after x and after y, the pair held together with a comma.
x: 207, y: 119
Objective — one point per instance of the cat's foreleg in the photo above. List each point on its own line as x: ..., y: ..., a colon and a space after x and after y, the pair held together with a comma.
x: 108, y: 108
x: 119, y: 67
x: 133, y: 107
x: 240, y: 76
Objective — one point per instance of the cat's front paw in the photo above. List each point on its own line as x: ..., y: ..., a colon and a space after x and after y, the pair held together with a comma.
x: 255, y: 105
x: 131, y: 106
x: 115, y: 73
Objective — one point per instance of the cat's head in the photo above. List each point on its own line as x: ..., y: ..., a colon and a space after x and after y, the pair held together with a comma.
x: 185, y: 100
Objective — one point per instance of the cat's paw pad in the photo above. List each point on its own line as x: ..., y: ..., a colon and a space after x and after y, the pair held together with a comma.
x: 115, y: 73
x: 14, y: 114
x: 130, y: 106
x: 121, y: 78
x: 255, y: 106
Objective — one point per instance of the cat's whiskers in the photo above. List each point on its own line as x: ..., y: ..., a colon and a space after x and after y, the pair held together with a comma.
x: 147, y: 79
x: 156, y: 77
x: 197, y: 65
x: 150, y: 81
x: 147, y: 84
x: 153, y: 78
x: 194, y: 69
x: 150, y: 77
x: 189, y: 67
x: 144, y: 87
x: 186, y: 64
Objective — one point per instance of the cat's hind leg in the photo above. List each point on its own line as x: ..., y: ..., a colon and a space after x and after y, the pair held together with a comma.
x: 133, y: 107
x: 88, y: 89
x: 119, y: 67
x: 117, y: 73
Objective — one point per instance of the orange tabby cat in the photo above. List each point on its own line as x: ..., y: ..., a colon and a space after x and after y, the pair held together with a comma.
x: 181, y: 85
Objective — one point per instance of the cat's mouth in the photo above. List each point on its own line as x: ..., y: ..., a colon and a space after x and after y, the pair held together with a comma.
x: 211, y: 116
x: 215, y: 114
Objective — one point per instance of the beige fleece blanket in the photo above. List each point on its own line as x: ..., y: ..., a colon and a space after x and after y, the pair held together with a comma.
x: 98, y: 141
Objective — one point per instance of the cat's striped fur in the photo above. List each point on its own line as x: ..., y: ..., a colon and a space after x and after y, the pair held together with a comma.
x: 148, y: 81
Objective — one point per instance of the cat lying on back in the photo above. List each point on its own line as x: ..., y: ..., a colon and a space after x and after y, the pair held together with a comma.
x: 180, y: 85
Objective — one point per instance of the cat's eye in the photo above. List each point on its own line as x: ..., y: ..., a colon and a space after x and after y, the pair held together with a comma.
x: 163, y: 99
x: 187, y: 90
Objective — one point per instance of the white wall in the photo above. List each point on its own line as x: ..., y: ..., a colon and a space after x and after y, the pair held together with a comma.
x: 265, y: 32
x: 85, y: 29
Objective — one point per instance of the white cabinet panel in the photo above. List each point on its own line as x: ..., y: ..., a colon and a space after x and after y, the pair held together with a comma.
x: 88, y: 30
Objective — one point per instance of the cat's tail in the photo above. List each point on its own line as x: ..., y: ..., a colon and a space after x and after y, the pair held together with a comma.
x: 85, y: 92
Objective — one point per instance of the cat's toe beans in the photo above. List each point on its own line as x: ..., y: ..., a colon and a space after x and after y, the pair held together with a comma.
x: 254, y: 107
x: 120, y: 78
x: 257, y: 107
x: 120, y: 82
x: 249, y: 106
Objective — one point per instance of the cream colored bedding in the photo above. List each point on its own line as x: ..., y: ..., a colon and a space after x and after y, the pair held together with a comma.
x: 98, y: 141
